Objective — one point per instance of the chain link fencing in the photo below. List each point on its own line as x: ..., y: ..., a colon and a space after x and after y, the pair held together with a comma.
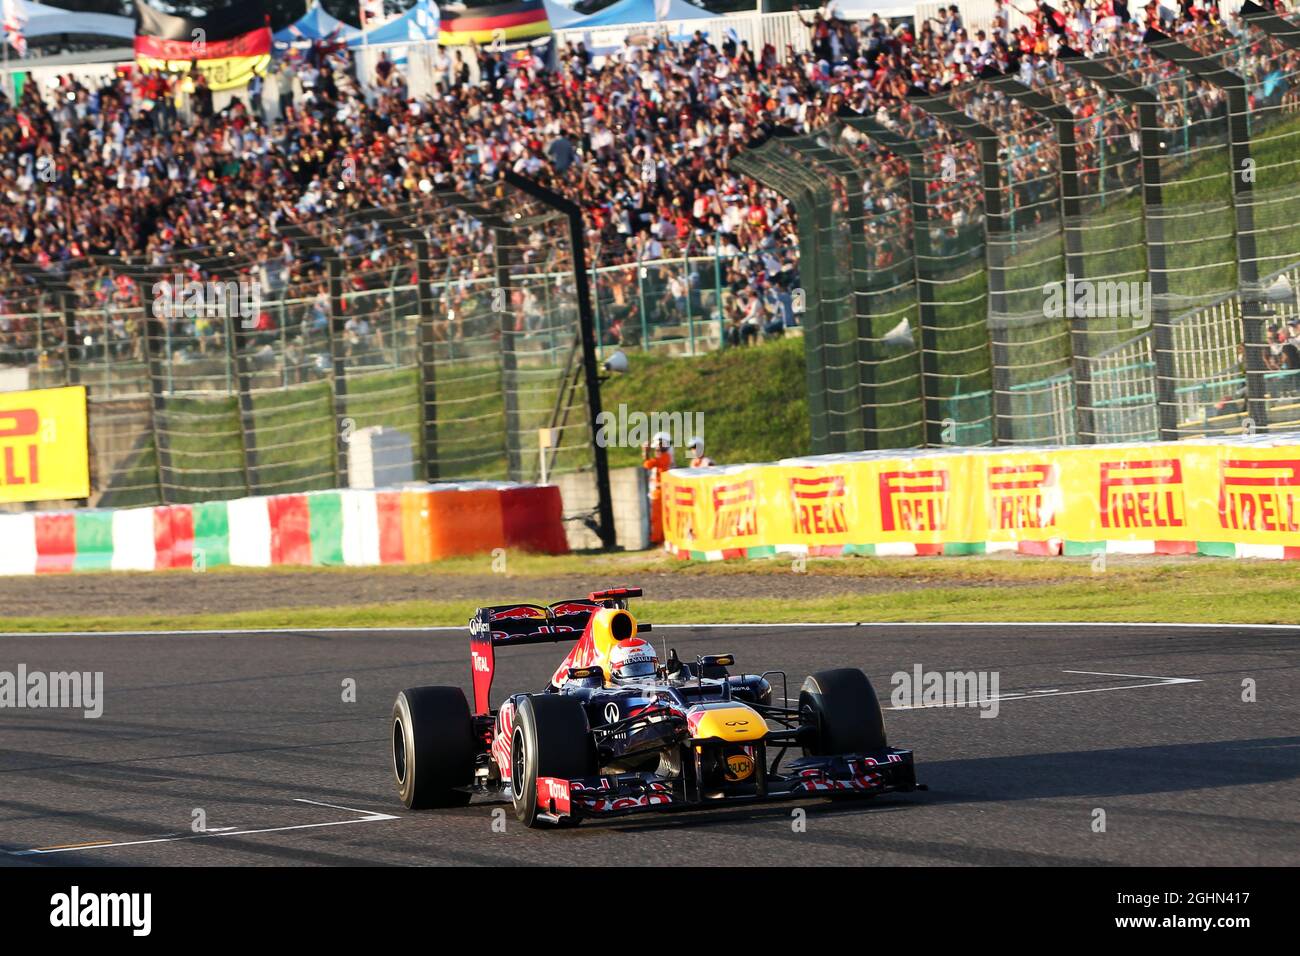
x: 1102, y: 249
x: 447, y: 333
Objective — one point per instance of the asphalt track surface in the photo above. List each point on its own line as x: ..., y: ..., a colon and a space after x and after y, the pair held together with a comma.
x: 247, y: 728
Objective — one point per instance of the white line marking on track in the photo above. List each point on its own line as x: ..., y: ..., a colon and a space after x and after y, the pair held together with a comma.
x: 369, y: 816
x: 1042, y: 695
x: 335, y: 806
x: 1168, y: 680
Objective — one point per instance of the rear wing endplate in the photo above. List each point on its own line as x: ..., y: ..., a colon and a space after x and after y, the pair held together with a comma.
x: 523, y: 624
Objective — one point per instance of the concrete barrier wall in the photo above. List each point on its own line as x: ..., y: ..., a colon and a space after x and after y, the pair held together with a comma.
x: 1227, y: 498
x: 628, y: 489
x: 356, y: 527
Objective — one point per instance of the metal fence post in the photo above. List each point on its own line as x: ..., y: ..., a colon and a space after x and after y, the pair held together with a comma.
x: 338, y: 371
x: 594, y: 278
x: 1253, y: 323
x: 1063, y: 122
x: 239, y: 336
x: 428, y: 360
x: 1152, y: 193
x: 640, y: 298
x: 717, y: 290
x: 996, y: 234
x: 154, y: 338
x: 686, y: 278
x: 911, y: 153
x: 67, y: 305
x: 506, y: 321
x: 586, y: 324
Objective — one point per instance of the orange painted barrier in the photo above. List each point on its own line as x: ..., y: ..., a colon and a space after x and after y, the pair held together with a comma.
x: 415, y: 527
x: 464, y: 522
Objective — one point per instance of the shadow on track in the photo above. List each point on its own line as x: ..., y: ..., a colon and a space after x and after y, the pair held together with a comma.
x: 1113, y: 772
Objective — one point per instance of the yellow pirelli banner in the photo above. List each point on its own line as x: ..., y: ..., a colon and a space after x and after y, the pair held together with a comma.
x: 1229, y: 498
x: 44, y: 455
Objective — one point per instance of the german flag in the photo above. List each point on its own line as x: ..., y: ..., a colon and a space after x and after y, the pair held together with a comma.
x: 499, y: 22
x: 228, y: 46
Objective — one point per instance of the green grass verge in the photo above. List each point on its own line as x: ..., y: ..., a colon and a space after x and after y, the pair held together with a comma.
x: 967, y: 589
x: 294, y: 430
x: 754, y: 400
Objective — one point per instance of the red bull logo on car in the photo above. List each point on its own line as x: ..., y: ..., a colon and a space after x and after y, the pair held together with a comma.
x: 521, y: 613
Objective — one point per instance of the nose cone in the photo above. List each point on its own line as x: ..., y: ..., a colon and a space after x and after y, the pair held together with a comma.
x: 729, y: 721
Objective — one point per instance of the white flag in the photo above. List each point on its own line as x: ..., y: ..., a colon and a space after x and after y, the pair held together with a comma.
x: 662, y: 8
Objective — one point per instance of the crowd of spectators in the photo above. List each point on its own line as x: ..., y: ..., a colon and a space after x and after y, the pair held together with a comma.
x: 1284, y: 350
x: 143, y: 169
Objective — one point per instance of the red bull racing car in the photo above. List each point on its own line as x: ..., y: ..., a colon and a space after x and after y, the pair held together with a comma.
x: 616, y: 731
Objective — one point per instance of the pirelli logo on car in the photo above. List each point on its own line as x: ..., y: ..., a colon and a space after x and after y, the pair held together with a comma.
x: 1259, y: 495
x: 1023, y: 497
x: 1142, y: 494
x: 818, y: 505
x: 914, y: 500
x: 735, y: 510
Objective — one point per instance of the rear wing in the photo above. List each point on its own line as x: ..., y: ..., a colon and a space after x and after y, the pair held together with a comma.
x: 513, y: 625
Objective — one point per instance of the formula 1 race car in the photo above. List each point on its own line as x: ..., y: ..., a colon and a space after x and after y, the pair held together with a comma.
x: 616, y: 732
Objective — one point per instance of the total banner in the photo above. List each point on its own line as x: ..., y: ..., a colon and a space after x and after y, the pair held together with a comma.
x: 1227, y: 498
x: 44, y: 454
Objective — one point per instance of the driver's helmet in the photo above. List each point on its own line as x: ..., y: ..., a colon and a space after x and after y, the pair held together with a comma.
x: 633, y: 659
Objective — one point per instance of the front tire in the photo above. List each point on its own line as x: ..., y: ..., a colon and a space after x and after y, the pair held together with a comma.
x: 842, y: 705
x: 551, y: 739
x: 433, y: 747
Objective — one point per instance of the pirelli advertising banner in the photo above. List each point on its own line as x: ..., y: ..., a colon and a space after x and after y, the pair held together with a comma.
x: 1221, y: 498
x: 44, y: 455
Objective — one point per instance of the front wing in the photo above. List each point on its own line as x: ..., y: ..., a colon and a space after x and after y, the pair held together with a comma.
x: 617, y: 795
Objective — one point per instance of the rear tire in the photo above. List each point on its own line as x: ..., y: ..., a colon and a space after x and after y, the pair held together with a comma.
x: 551, y: 739
x: 842, y: 705
x: 433, y: 747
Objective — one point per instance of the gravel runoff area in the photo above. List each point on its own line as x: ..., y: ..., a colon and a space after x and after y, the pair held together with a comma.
x: 217, y: 591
